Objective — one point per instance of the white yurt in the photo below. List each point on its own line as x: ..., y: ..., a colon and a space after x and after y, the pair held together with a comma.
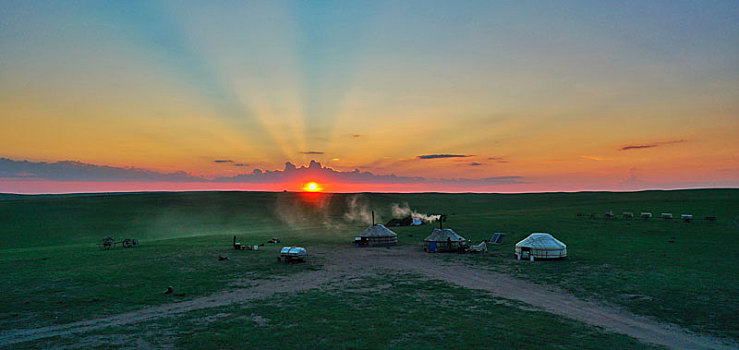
x: 379, y: 236
x: 541, y: 246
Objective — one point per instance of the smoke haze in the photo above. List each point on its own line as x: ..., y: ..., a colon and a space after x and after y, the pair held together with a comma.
x: 359, y: 209
x: 404, y: 210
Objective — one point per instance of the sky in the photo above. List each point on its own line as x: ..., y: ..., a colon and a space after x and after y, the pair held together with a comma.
x: 470, y: 96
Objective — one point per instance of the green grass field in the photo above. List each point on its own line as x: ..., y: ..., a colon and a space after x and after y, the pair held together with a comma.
x: 53, y: 272
x: 354, y: 317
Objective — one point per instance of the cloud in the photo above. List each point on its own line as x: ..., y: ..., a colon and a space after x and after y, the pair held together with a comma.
x: 597, y: 158
x: 316, y: 170
x: 475, y: 164
x: 356, y: 135
x: 626, y: 148
x: 498, y: 159
x: 78, y: 171
x: 650, y: 145
x: 311, y: 152
x: 497, y: 180
x: 437, y: 156
x: 224, y: 161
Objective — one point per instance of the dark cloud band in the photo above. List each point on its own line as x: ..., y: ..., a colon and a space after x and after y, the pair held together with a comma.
x: 78, y: 171
x: 650, y: 145
x: 439, y: 156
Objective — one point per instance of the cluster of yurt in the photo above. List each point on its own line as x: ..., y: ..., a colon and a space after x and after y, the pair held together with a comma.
x: 536, y: 246
x: 540, y: 246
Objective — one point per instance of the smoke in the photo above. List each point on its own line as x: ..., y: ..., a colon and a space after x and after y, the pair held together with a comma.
x: 296, y: 211
x: 313, y: 210
x: 359, y: 209
x: 404, y: 210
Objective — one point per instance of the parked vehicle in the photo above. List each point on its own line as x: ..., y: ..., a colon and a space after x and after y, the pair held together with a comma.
x: 292, y: 254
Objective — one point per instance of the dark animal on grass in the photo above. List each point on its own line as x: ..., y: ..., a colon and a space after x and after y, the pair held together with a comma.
x: 169, y: 290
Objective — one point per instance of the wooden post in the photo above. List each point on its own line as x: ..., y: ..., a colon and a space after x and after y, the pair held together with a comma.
x: 373, y: 218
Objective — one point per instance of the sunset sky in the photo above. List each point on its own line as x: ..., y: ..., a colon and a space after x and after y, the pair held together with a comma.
x: 497, y: 96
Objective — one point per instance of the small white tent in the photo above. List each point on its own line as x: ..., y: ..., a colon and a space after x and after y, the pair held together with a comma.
x: 541, y: 246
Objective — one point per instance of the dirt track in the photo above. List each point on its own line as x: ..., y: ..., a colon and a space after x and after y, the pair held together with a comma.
x: 350, y: 262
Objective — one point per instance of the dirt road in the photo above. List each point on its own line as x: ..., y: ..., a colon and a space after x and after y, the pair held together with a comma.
x: 350, y: 262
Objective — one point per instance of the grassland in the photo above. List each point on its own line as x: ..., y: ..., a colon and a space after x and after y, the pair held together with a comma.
x: 354, y: 317
x: 54, y: 273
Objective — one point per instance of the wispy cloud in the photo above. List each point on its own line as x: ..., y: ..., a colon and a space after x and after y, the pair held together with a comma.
x: 231, y: 162
x: 626, y: 148
x: 311, y: 152
x: 498, y: 159
x: 475, y: 164
x: 596, y: 158
x: 496, y: 180
x: 650, y: 145
x: 438, y: 156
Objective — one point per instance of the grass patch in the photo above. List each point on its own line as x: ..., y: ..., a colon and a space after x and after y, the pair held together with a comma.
x: 398, y: 311
x: 53, y: 286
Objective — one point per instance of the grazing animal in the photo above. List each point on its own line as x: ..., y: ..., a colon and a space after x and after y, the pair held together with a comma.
x: 169, y: 290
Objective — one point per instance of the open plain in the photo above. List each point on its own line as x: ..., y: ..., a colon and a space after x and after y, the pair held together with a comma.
x: 626, y: 283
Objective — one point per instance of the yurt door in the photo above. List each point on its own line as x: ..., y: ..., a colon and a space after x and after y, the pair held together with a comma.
x: 525, y: 252
x: 432, y: 246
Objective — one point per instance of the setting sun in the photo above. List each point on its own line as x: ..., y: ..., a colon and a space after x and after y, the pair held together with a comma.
x: 312, y: 187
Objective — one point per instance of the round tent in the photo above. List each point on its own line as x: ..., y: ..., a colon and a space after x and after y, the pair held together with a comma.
x: 541, y: 246
x: 379, y: 236
x: 443, y: 240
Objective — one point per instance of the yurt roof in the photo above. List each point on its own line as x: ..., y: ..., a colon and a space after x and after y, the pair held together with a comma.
x: 378, y: 230
x: 541, y: 241
x: 440, y: 235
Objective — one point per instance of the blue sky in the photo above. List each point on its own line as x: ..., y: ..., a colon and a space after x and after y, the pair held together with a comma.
x: 557, y: 89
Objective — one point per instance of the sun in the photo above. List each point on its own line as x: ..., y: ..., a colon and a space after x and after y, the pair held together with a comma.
x: 312, y: 187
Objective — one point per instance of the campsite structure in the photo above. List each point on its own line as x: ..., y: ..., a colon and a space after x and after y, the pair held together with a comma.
x: 540, y: 246
x: 376, y: 235
x: 443, y: 240
x: 406, y: 221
